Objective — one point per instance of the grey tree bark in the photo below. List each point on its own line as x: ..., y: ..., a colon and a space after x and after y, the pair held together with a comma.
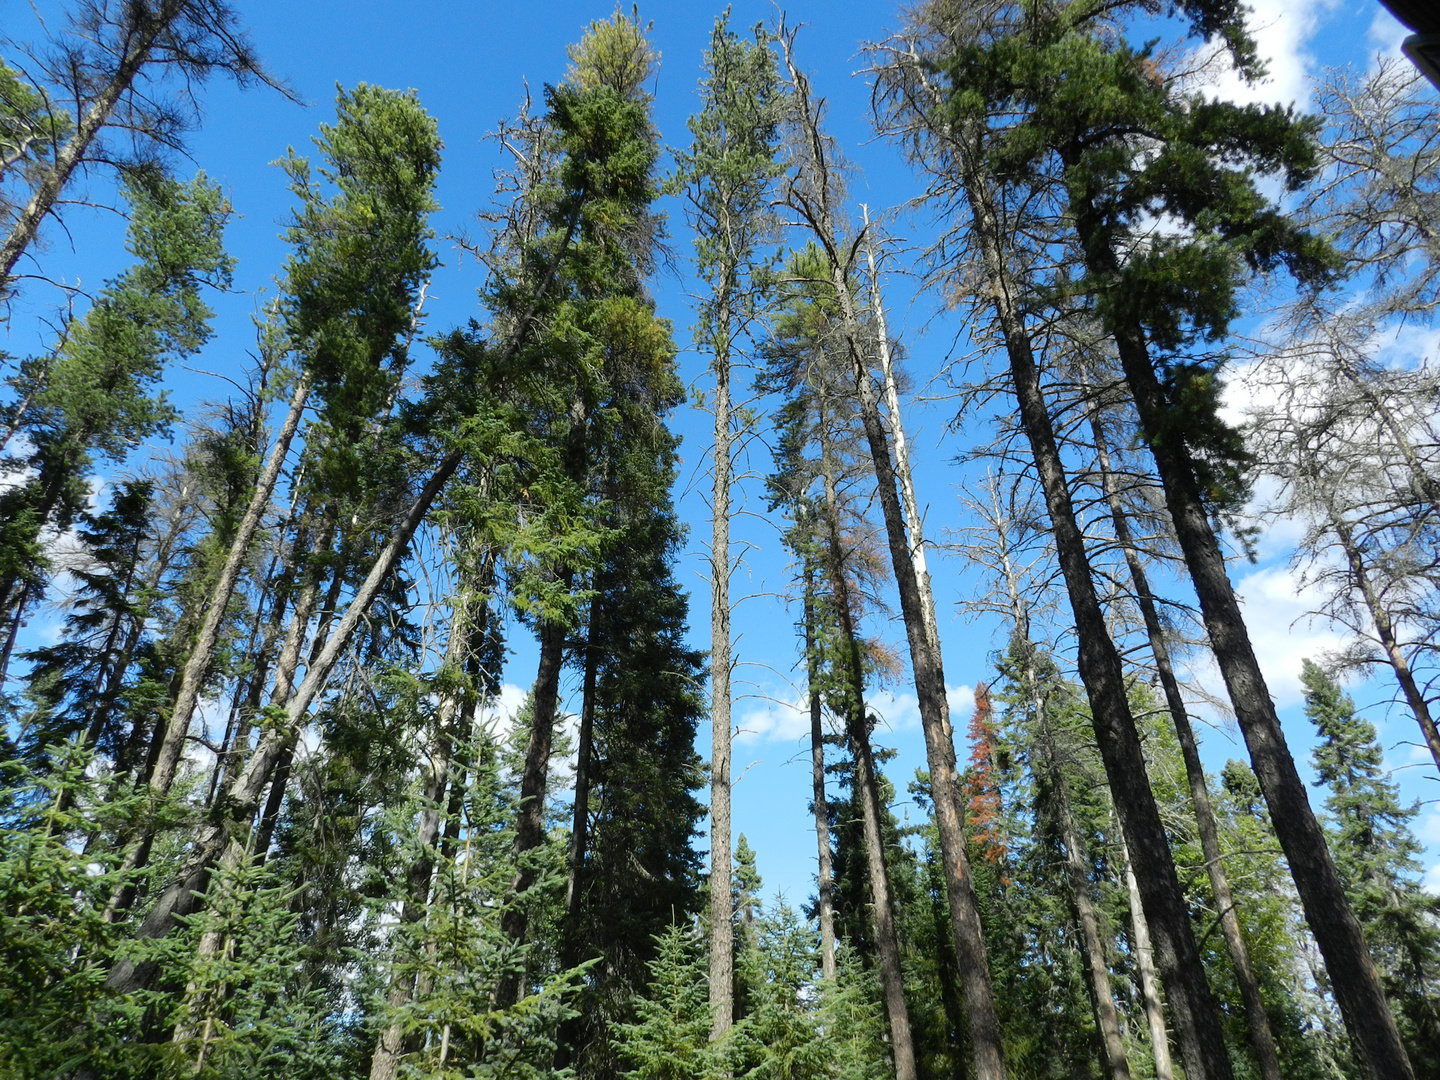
x: 1262, y: 1040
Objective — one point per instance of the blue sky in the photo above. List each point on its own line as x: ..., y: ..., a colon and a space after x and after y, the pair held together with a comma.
x: 470, y: 63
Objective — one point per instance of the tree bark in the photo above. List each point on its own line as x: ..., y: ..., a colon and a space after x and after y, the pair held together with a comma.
x: 1257, y: 1022
x: 1385, y: 631
x: 882, y: 915
x: 1347, y: 959
x: 825, y: 905
x: 69, y: 157
x: 1196, y: 1016
x: 1149, y: 984
x: 722, y: 944
x: 926, y: 666
x: 580, y: 817
x: 529, y: 825
x: 197, y: 666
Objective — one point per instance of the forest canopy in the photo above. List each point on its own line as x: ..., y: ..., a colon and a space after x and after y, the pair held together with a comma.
x: 357, y: 541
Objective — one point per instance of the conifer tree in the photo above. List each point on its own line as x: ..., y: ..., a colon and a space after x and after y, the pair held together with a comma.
x: 813, y: 193
x: 1375, y: 855
x: 670, y: 1038
x: 94, y: 397
x: 108, y: 66
x: 726, y: 176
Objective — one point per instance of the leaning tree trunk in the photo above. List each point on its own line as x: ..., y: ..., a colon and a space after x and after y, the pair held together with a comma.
x: 545, y: 708
x: 1262, y: 1040
x: 882, y: 914
x: 1196, y: 1015
x: 1385, y: 631
x: 1149, y: 983
x: 69, y: 157
x: 198, y: 665
x: 1322, y: 895
x: 1107, y: 1018
x: 182, y: 896
x: 926, y: 666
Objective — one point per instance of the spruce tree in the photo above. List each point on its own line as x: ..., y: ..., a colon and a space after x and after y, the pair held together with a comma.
x: 1375, y: 853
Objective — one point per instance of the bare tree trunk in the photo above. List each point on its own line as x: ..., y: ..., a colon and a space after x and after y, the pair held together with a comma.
x: 926, y: 666
x: 722, y: 944
x: 197, y: 666
x: 1149, y: 984
x: 1196, y: 1016
x: 1107, y: 1019
x: 887, y: 945
x: 89, y: 125
x: 1385, y: 631
x: 825, y: 906
x: 1347, y: 958
x: 1262, y: 1040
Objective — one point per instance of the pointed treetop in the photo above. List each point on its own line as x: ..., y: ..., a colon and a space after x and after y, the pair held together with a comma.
x: 616, y: 53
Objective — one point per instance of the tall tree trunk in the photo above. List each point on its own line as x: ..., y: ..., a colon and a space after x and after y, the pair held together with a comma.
x: 1352, y: 970
x: 1196, y: 1015
x: 392, y: 1045
x: 1262, y: 1040
x: 929, y: 677
x: 545, y: 708
x: 284, y: 768
x: 529, y: 825
x: 580, y: 817
x: 89, y: 125
x: 887, y: 944
x: 180, y: 897
x: 1385, y: 631
x: 825, y: 905
x: 197, y: 666
x: 570, y: 939
x: 1107, y: 1019
x: 1149, y: 984
x: 722, y: 944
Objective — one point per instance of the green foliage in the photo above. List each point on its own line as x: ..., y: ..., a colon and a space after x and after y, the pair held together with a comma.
x: 670, y: 1039
x: 779, y: 1038
x: 360, y: 259
x: 1079, y: 104
x: 93, y: 397
x: 1375, y: 852
x: 726, y: 177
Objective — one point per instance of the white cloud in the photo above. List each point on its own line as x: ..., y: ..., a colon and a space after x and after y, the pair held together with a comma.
x: 962, y: 704
x: 1282, y: 29
x: 777, y: 719
x: 499, y: 717
x: 773, y: 719
x: 896, y: 711
x: 1431, y: 882
x: 1282, y: 631
x: 1387, y: 32
x: 1428, y: 828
